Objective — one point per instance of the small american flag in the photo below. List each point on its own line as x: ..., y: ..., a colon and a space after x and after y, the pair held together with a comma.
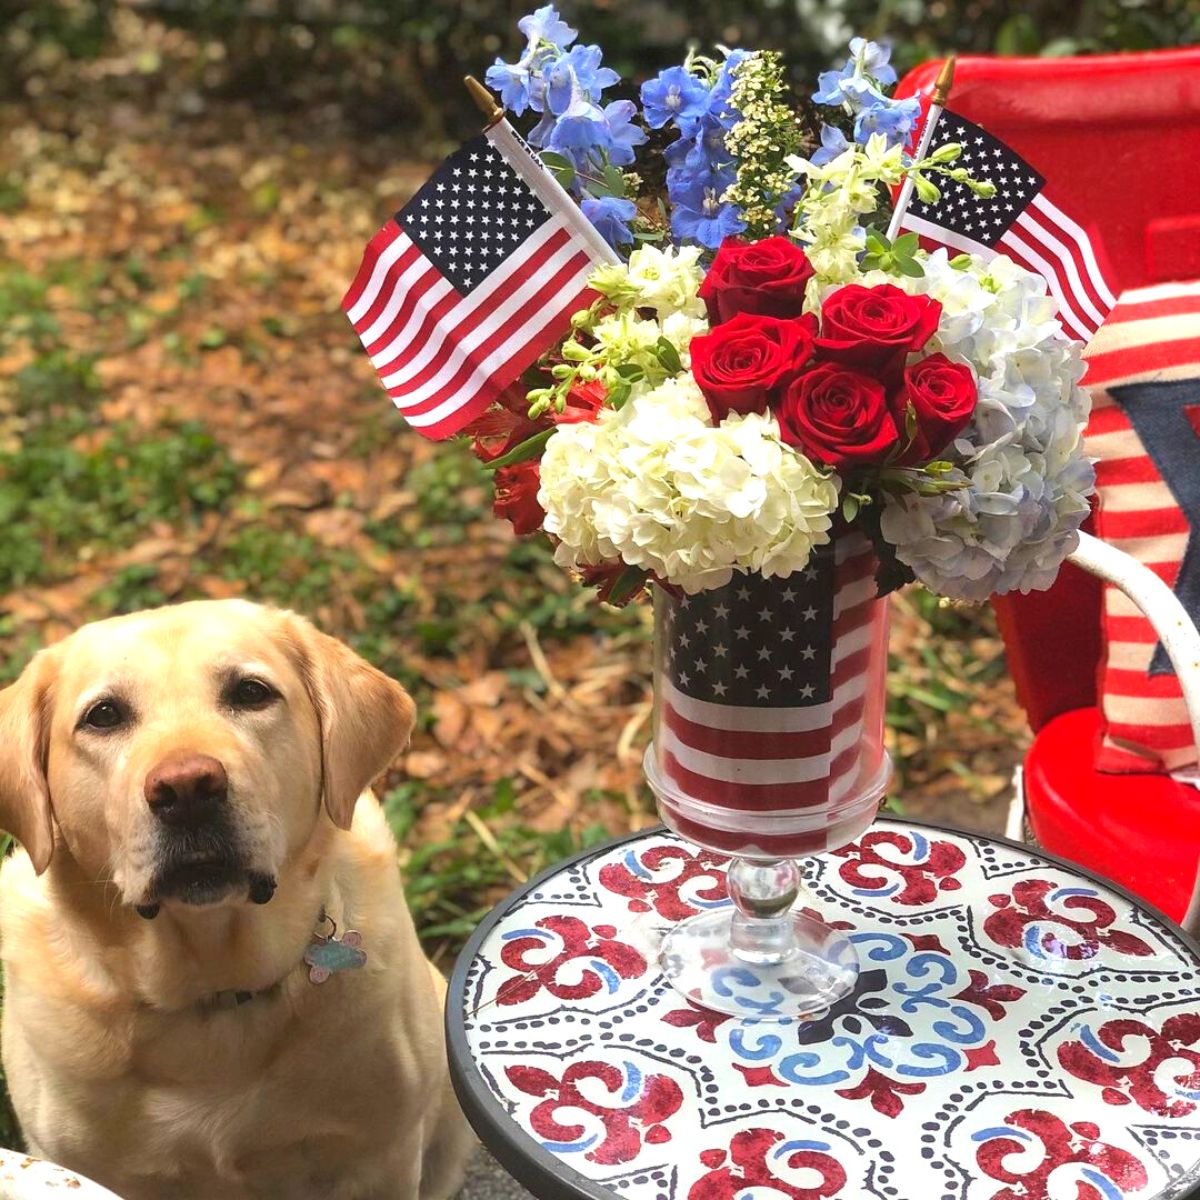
x: 765, y: 682
x: 1020, y: 220
x: 471, y: 281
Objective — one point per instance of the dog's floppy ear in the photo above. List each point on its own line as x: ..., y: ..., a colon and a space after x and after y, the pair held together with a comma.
x: 24, y: 788
x: 366, y: 718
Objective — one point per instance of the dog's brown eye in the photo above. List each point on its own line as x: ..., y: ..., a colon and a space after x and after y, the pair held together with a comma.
x: 250, y: 693
x: 107, y: 714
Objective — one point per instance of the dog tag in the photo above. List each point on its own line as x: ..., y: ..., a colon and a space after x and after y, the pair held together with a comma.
x: 328, y: 956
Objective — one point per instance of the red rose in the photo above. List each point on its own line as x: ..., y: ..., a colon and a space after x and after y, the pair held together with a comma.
x: 516, y: 496
x: 838, y: 417
x: 742, y: 364
x: 942, y: 395
x: 873, y: 329
x: 766, y: 277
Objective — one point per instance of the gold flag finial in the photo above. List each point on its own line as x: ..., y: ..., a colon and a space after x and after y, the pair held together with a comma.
x: 943, y: 83
x: 484, y: 100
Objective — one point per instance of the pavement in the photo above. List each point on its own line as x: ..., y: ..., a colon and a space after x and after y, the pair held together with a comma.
x: 488, y: 1180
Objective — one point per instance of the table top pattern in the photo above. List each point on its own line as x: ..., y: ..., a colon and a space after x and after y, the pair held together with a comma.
x: 1019, y: 1032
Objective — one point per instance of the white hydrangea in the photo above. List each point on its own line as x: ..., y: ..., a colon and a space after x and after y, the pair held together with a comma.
x: 1022, y: 457
x: 658, y: 486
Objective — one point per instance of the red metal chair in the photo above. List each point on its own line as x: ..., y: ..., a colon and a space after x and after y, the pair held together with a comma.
x: 1126, y: 128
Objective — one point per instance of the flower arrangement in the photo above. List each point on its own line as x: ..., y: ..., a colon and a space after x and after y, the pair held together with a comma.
x: 764, y: 369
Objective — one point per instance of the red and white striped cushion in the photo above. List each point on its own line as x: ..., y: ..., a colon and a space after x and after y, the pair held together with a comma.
x: 1153, y: 334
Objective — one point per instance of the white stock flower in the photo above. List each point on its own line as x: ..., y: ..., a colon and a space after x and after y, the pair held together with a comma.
x: 666, y: 280
x: 658, y: 486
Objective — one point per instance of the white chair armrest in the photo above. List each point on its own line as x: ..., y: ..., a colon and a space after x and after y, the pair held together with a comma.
x: 1175, y: 630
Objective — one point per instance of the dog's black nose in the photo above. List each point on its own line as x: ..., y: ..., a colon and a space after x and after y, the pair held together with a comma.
x: 187, y: 789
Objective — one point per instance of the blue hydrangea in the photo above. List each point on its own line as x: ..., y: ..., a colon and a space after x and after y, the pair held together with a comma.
x: 611, y: 216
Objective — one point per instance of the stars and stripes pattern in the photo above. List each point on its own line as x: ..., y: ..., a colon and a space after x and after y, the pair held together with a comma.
x: 1145, y: 365
x: 1021, y: 220
x: 764, y: 686
x: 471, y: 282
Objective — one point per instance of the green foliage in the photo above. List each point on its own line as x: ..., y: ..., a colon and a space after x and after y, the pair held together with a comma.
x: 452, y: 882
x: 389, y: 59
x: 62, y: 497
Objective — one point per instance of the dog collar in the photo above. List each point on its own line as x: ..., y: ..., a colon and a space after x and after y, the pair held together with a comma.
x: 326, y: 955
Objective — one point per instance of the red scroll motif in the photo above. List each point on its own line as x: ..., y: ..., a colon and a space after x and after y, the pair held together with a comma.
x: 637, y: 1107
x: 748, y: 1168
x: 1104, y: 1170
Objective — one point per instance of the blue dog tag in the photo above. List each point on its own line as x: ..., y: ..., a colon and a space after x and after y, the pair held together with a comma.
x: 328, y: 956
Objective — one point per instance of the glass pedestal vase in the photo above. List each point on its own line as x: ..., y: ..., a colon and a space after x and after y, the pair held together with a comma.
x: 768, y: 746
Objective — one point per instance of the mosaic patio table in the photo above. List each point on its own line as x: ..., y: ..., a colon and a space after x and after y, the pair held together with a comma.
x: 1020, y: 1030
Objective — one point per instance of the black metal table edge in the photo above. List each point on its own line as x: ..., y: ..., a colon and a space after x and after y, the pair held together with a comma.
x: 546, y: 1175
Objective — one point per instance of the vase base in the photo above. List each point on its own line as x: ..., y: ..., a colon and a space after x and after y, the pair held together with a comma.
x: 818, y: 968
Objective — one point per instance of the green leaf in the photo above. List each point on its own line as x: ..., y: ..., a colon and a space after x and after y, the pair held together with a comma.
x: 907, y: 244
x: 850, y: 507
x: 910, y: 267
x: 668, y: 355
x: 561, y: 168
x: 629, y: 583
x: 618, y: 394
x: 631, y: 372
x: 615, y: 180
x: 530, y: 448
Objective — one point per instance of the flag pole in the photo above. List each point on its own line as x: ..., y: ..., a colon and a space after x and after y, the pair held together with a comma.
x: 502, y: 135
x: 937, y: 102
x: 484, y: 101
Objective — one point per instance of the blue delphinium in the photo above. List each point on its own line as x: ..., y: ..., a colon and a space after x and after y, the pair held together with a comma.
x: 694, y: 99
x: 564, y: 84
x: 674, y: 95
x: 857, y: 89
x: 833, y: 143
x: 546, y: 35
x: 611, y: 216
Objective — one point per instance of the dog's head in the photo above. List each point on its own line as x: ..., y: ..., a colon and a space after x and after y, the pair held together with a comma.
x: 185, y: 753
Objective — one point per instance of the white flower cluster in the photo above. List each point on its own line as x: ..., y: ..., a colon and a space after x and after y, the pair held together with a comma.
x: 1027, y: 479
x: 657, y: 485
x: 837, y: 195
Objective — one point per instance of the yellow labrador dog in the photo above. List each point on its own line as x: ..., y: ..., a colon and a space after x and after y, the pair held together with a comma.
x: 185, y: 1016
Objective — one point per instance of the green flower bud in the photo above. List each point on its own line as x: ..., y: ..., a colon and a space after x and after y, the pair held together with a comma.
x: 947, y: 153
x: 927, y: 190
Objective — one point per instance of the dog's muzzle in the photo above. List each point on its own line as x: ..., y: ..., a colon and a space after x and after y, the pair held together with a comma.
x: 198, y: 858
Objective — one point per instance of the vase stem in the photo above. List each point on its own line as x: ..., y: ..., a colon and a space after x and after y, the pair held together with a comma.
x: 763, y: 892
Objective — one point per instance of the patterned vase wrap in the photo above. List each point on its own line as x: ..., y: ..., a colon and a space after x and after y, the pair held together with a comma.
x: 769, y: 707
